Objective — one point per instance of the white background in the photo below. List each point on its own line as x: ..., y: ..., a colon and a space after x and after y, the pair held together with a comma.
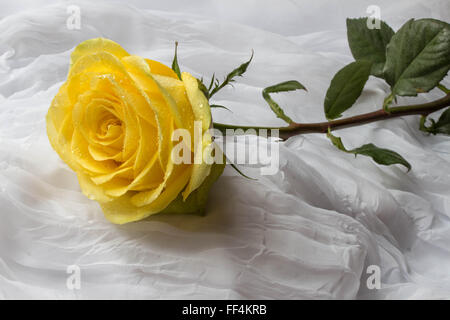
x: 310, y: 231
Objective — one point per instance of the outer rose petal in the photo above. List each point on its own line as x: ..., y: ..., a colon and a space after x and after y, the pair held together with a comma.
x: 91, y: 190
x: 160, y: 69
x: 177, y: 91
x: 200, y: 168
x: 166, y: 111
x: 122, y: 210
x: 58, y: 113
x: 97, y: 45
x: 202, y: 112
x: 140, y: 73
x: 199, y: 103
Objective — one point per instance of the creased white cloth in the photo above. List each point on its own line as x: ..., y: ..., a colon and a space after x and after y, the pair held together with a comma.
x: 310, y: 231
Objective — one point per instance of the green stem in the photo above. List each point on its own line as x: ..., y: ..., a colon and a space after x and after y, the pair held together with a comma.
x: 443, y: 88
x: 322, y: 127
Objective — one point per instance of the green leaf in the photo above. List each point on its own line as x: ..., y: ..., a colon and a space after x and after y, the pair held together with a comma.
x: 442, y: 126
x: 345, y: 88
x: 175, y: 66
x: 211, y: 83
x: 418, y: 57
x: 239, y: 71
x: 379, y: 155
x: 203, y: 88
x: 291, y: 85
x: 369, y: 44
x: 240, y: 172
x: 219, y: 106
x: 197, y: 200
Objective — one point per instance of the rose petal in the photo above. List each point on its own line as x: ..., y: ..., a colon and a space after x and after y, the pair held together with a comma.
x: 97, y: 45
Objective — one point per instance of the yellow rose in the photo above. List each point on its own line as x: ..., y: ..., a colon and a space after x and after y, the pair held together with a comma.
x: 112, y: 122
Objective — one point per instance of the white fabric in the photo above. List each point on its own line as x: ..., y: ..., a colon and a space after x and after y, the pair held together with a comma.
x: 310, y: 231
